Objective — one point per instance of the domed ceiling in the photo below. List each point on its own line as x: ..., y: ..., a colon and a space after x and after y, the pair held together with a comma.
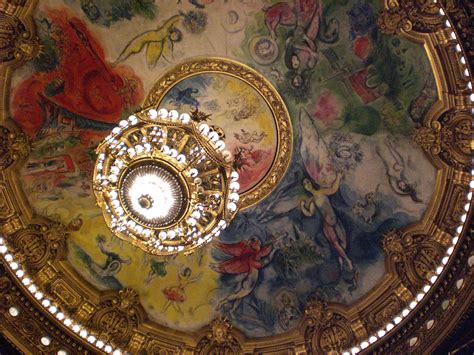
x: 348, y: 122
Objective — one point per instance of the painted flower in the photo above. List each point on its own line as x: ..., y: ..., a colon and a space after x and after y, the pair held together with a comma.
x: 344, y: 153
x: 362, y: 47
x: 195, y: 21
x: 327, y: 107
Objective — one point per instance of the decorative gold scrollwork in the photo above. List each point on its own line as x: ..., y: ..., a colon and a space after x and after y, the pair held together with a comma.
x: 39, y: 243
x: 413, y: 257
x: 450, y: 138
x: 384, y: 313
x: 16, y: 42
x: 417, y: 15
x: 13, y: 146
x: 117, y: 315
x: 219, y: 339
x: 327, y: 331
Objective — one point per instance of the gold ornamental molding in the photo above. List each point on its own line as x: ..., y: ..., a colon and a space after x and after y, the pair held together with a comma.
x: 219, y: 339
x: 413, y: 254
x: 264, y: 88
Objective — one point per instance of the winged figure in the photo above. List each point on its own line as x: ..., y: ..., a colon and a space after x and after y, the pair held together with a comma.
x: 396, y: 168
x: 249, y: 137
x: 321, y: 182
x: 314, y: 151
x: 159, y: 43
x: 247, y: 258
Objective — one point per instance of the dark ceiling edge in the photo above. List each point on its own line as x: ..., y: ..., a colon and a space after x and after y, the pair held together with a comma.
x: 467, y: 37
x: 7, y: 347
x: 461, y: 318
x: 414, y: 324
x: 461, y: 338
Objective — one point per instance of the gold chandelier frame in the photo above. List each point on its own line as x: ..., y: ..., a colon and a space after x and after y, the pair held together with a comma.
x: 199, y: 164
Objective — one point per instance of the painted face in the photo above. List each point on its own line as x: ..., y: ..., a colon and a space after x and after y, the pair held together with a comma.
x: 343, y: 152
x: 297, y: 81
x: 76, y: 223
x: 370, y: 197
x: 285, y: 300
x: 295, y: 62
x: 186, y: 272
x: 175, y: 35
x: 307, y: 185
x: 255, y: 243
x: 91, y: 10
x: 402, y: 185
x: 264, y: 48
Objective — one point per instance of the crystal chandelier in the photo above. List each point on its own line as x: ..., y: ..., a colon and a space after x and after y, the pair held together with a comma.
x: 164, y: 182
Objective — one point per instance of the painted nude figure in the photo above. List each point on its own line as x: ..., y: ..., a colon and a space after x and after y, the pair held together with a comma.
x: 159, y: 43
x: 332, y: 228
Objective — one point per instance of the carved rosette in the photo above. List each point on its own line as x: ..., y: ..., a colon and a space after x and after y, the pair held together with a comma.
x: 407, y: 15
x: 327, y: 331
x: 13, y: 147
x: 219, y: 339
x: 449, y: 138
x: 117, y: 315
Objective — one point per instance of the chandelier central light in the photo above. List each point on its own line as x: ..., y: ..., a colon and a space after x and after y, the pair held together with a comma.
x: 164, y: 182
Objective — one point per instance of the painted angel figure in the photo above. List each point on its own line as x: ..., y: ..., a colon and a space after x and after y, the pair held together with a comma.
x: 396, y: 168
x: 159, y: 43
x: 247, y: 258
x: 321, y: 182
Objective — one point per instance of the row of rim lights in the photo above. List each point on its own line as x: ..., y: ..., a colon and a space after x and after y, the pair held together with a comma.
x: 45, y: 302
x: 50, y: 307
x: 77, y: 328
x: 382, y: 332
x: 172, y: 115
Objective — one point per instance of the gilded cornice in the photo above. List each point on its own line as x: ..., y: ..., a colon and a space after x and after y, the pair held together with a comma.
x: 413, y: 254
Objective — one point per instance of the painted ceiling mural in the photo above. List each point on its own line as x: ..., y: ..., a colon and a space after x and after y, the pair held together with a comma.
x: 354, y: 95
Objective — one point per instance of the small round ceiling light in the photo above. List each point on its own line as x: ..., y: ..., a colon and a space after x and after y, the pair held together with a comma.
x: 164, y: 182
